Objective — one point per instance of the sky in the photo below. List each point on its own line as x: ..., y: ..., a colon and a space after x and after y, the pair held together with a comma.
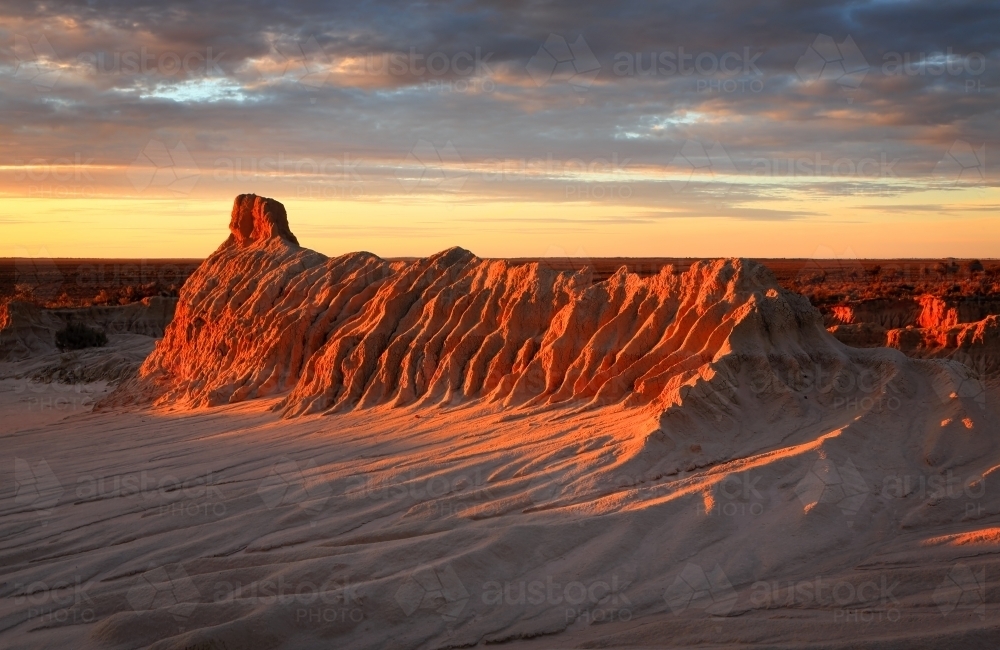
x: 510, y: 128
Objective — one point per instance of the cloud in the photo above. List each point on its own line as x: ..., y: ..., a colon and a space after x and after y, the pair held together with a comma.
x: 930, y: 207
x: 745, y: 214
x: 311, y: 80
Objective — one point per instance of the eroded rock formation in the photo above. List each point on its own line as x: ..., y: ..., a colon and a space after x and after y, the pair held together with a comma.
x: 27, y: 330
x: 256, y: 218
x: 264, y: 317
x: 960, y: 328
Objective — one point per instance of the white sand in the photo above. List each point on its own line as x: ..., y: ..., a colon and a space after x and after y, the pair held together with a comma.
x: 420, y: 526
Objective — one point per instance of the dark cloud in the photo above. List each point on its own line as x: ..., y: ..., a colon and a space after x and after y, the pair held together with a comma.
x: 325, y: 81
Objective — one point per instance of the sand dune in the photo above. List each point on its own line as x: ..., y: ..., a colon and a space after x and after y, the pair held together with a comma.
x: 453, y: 452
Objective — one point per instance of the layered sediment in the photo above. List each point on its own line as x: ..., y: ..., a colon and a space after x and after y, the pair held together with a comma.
x: 263, y: 317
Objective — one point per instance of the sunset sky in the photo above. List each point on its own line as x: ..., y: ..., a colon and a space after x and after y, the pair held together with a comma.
x: 854, y: 129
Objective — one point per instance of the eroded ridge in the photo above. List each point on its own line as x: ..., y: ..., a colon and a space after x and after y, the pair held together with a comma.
x: 263, y: 316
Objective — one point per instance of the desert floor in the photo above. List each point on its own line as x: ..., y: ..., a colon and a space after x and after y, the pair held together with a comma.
x: 230, y: 528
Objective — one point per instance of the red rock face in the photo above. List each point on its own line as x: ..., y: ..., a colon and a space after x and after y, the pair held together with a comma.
x: 264, y: 317
x: 256, y: 218
x: 454, y: 328
x: 936, y: 313
x: 961, y: 328
x: 885, y: 313
x: 977, y: 344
